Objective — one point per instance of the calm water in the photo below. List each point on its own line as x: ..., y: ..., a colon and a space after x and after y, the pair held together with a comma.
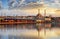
x: 29, y: 31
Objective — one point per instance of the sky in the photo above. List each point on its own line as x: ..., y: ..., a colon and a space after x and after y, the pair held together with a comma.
x: 29, y: 7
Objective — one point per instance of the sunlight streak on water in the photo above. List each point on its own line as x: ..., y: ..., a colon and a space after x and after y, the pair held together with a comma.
x: 30, y: 33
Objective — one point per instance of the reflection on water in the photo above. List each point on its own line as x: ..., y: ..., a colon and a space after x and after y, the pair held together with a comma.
x: 17, y: 37
x: 26, y: 26
x: 21, y: 26
x: 25, y: 31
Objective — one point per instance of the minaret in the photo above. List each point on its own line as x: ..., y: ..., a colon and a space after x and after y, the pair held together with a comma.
x: 38, y: 11
x: 45, y: 13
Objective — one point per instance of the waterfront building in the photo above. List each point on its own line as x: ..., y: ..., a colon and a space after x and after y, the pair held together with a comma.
x: 24, y: 19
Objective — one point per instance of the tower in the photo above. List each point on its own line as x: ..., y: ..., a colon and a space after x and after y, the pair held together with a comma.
x: 38, y: 11
x: 45, y: 13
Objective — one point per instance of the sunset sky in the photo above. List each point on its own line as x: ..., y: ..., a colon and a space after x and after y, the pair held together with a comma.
x: 29, y: 7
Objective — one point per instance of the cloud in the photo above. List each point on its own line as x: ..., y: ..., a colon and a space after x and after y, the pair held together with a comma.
x: 32, y: 6
x: 19, y: 12
x: 20, y: 2
x: 14, y: 12
x: 22, y: 8
x: 53, y: 3
x: 57, y: 1
x: 12, y: 3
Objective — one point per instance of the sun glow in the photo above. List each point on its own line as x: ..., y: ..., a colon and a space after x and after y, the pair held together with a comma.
x: 49, y: 11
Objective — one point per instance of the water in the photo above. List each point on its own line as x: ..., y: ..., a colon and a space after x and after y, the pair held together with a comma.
x: 29, y: 31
